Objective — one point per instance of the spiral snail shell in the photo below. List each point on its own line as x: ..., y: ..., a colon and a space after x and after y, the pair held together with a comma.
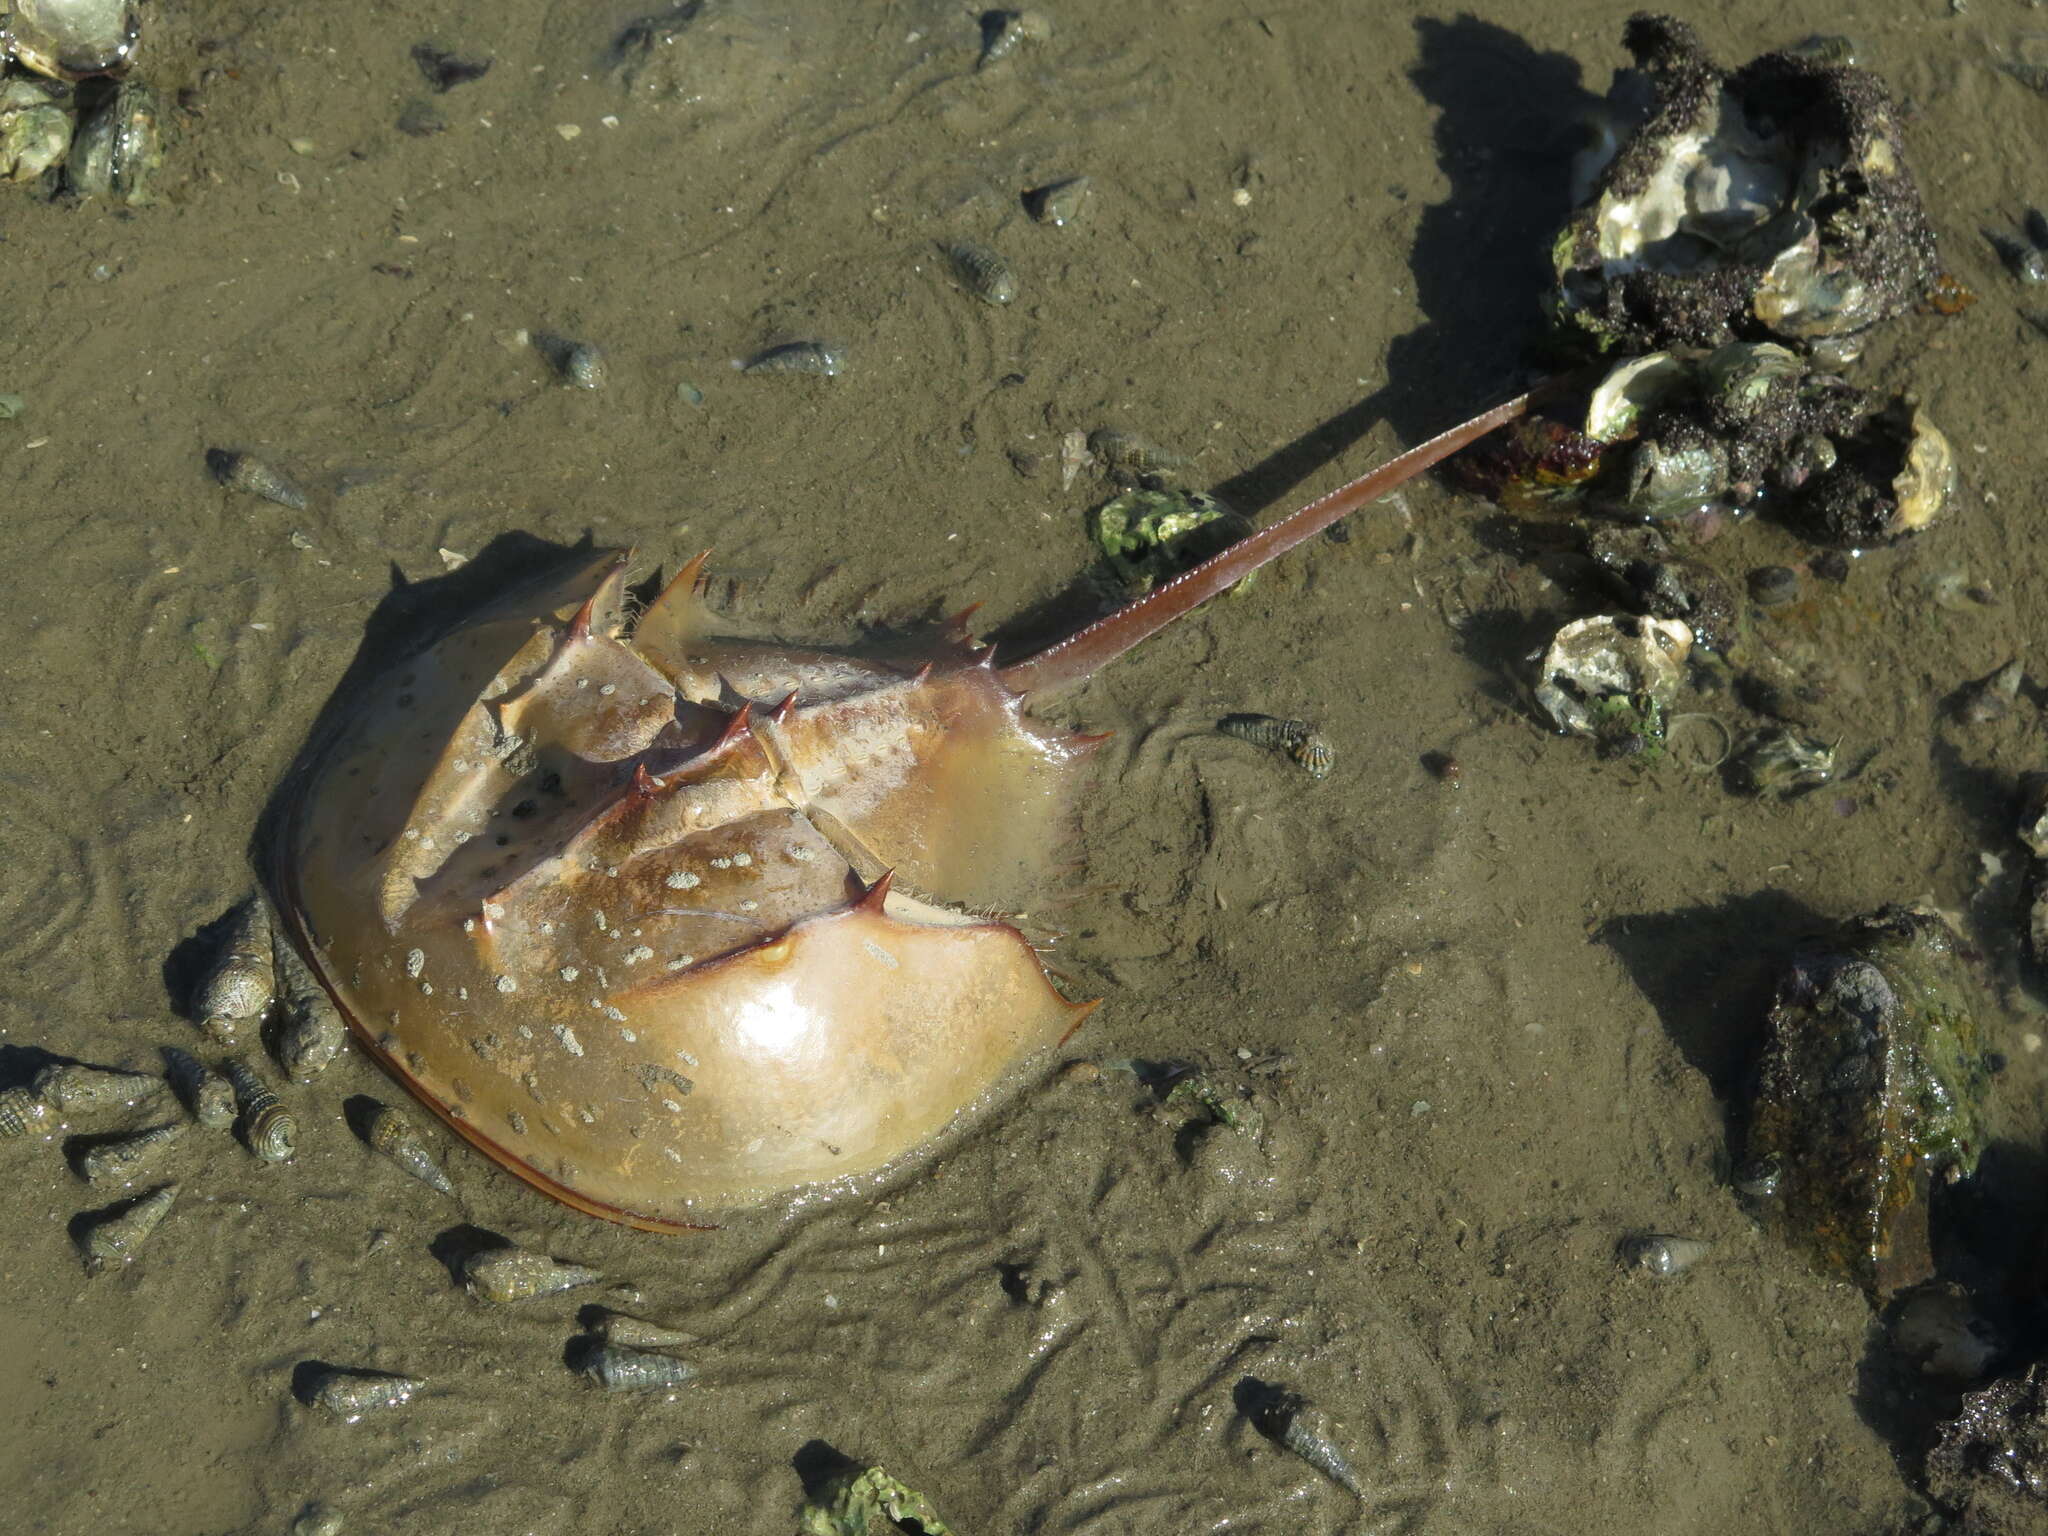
x: 120, y: 1159
x: 242, y: 980
x: 506, y: 1275
x: 22, y: 1110
x: 270, y: 1130
x: 111, y: 1239
x: 208, y: 1095
x: 619, y: 1369
x: 387, y: 1132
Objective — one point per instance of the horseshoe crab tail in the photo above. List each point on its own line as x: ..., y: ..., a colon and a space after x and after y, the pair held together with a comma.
x: 1088, y: 650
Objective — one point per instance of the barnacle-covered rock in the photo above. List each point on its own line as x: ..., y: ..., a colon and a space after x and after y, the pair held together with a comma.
x: 1152, y: 536
x: 1669, y: 433
x: 1889, y: 479
x: 1642, y: 570
x: 1867, y: 1094
x: 1771, y: 202
x: 1989, y: 1463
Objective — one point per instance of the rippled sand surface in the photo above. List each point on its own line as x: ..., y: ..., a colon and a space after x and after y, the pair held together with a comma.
x: 1492, y: 1028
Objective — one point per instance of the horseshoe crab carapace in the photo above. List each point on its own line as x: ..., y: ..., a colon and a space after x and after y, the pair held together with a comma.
x: 669, y: 923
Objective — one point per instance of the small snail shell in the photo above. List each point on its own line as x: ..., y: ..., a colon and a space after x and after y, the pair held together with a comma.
x: 983, y: 272
x: 506, y: 1275
x: 1297, y: 738
x: 348, y: 1395
x: 242, y: 980
x: 21, y: 1111
x: 207, y: 1094
x: 618, y: 1369
x: 113, y: 1239
x: 71, y: 1086
x: 387, y: 1132
x: 313, y: 1033
x: 319, y: 1519
x: 1305, y: 1430
x: 1663, y: 1255
x: 246, y: 472
x: 119, y: 1160
x: 583, y: 365
x: 270, y: 1129
x: 634, y: 1332
x: 1126, y: 453
x: 1003, y: 32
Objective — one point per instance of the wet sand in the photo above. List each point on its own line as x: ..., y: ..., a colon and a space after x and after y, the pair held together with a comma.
x: 1493, y: 1027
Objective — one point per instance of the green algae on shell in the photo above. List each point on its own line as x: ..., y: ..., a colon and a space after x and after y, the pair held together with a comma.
x: 1151, y: 536
x: 869, y: 1503
x: 1867, y: 1095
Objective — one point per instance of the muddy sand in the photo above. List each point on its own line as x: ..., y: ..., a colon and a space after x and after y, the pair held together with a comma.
x: 1494, y: 1027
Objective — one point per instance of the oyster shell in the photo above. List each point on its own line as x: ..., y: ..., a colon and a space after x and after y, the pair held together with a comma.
x: 1592, y: 661
x: 1990, y: 1462
x: 1630, y: 388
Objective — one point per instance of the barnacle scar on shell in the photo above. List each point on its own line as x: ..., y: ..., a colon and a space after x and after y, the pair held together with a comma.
x: 671, y: 923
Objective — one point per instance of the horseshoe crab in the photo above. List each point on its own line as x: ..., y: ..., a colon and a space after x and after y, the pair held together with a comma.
x: 670, y: 923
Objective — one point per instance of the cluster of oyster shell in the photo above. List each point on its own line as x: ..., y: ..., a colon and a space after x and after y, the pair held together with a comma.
x: 67, y: 115
x: 1737, y: 235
